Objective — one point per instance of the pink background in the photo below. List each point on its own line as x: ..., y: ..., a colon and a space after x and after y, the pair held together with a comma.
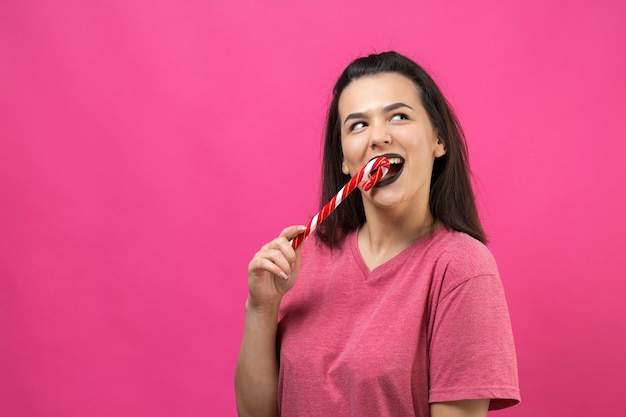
x: 148, y: 148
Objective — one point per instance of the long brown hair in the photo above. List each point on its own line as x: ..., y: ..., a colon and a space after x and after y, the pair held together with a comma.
x: 451, y: 197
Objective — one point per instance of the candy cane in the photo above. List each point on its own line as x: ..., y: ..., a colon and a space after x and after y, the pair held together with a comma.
x: 369, y: 175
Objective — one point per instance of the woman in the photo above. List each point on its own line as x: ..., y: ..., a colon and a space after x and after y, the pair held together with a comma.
x: 394, y: 307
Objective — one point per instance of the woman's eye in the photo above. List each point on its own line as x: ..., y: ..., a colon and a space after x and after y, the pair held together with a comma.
x: 358, y: 125
x: 400, y: 116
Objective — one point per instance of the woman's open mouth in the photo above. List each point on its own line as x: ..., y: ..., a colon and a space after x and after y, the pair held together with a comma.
x: 395, y: 169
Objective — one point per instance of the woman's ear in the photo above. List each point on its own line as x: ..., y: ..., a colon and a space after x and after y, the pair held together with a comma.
x: 344, y: 168
x: 440, y: 148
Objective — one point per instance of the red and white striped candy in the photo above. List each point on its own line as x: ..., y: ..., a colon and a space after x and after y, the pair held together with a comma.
x: 369, y: 175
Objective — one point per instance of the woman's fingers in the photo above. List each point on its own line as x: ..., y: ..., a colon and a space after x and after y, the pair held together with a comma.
x: 283, y: 244
x: 289, y: 234
x: 292, y: 231
x: 264, y: 263
x: 277, y: 257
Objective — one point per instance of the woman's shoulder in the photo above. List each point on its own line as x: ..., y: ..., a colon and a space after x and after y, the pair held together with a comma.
x: 464, y: 255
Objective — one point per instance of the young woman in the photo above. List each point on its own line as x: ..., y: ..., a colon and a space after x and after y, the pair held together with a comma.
x: 394, y: 307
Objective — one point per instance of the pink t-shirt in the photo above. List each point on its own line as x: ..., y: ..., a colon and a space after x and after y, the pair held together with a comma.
x: 429, y: 325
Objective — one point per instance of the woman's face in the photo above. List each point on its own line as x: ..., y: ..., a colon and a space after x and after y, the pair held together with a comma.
x: 383, y: 115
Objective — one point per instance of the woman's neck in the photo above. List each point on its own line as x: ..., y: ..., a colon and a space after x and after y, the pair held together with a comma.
x: 385, y: 235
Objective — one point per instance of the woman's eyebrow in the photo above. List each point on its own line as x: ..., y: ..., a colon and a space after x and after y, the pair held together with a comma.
x: 354, y: 116
x: 395, y: 106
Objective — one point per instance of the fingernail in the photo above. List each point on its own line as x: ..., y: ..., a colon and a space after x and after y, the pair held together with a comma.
x: 282, y: 274
x: 302, y: 228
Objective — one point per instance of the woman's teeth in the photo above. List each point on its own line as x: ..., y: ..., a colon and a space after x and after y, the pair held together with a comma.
x: 396, y: 164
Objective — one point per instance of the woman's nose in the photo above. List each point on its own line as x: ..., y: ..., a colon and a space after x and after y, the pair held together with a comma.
x: 379, y: 135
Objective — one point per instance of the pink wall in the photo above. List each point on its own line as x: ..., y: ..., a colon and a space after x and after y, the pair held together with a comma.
x: 147, y: 148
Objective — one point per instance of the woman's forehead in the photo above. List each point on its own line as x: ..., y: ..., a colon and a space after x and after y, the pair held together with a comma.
x: 380, y: 90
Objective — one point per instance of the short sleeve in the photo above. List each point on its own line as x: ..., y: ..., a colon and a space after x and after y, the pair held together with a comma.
x: 472, y: 353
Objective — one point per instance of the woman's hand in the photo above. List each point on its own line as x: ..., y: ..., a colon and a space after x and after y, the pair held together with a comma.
x: 273, y: 270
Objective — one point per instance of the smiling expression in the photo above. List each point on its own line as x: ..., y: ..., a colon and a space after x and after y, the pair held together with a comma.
x: 383, y: 115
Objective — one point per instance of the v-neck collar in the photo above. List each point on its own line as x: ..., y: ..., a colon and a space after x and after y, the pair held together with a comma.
x: 392, y: 264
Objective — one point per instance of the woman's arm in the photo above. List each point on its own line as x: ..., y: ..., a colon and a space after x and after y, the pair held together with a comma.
x: 271, y: 273
x: 464, y: 408
x: 256, y: 378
